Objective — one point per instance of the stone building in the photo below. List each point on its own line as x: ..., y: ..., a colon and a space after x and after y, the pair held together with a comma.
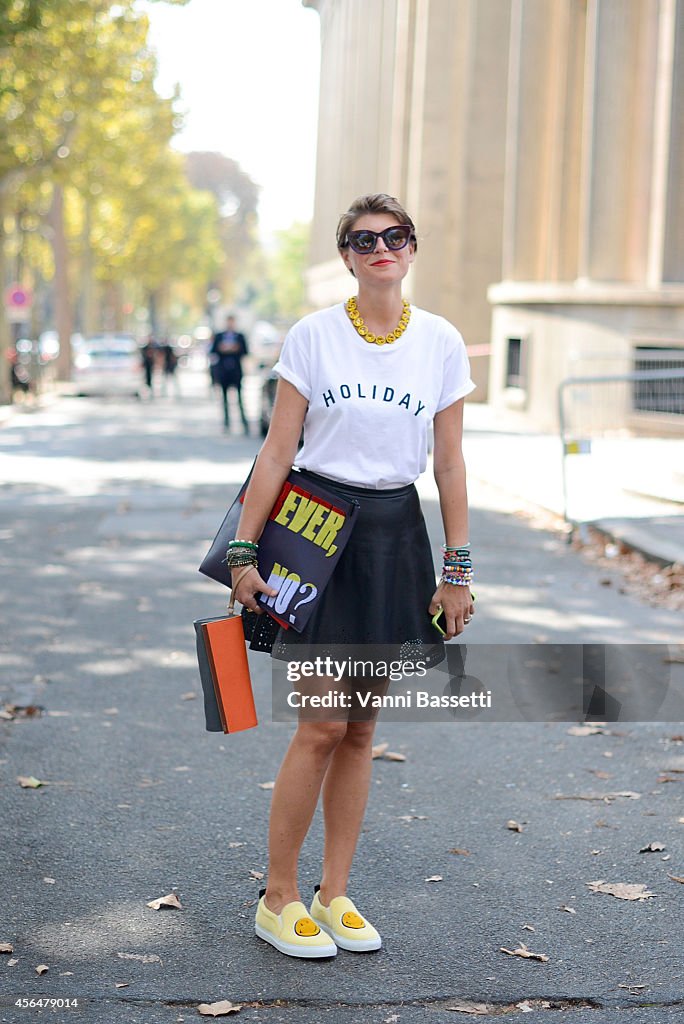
x: 539, y: 146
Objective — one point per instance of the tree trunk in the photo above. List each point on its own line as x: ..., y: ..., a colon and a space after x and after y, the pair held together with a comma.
x: 63, y: 312
x: 87, y: 325
x: 5, y: 332
x: 152, y: 307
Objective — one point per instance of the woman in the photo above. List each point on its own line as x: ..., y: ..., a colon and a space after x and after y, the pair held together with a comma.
x: 365, y: 379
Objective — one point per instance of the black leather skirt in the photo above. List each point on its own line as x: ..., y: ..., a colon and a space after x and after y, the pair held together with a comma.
x: 381, y: 588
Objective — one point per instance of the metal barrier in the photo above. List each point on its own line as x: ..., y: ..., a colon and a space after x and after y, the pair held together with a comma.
x: 628, y: 425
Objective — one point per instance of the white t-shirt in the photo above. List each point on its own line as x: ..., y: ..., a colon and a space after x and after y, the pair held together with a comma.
x: 370, y: 406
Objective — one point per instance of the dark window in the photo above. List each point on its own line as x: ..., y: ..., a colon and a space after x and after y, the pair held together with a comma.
x: 515, y: 363
x: 666, y: 396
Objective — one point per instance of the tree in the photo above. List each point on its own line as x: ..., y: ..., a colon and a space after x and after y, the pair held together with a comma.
x: 281, y: 293
x: 237, y: 197
x: 76, y: 96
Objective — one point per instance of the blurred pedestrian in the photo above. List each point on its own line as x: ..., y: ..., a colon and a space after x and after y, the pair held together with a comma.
x: 148, y: 354
x: 229, y: 346
x: 169, y: 365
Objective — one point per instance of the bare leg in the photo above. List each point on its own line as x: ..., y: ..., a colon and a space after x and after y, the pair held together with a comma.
x: 345, y: 795
x: 295, y: 796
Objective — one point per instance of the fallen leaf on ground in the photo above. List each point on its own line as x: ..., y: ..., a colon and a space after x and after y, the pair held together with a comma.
x: 234, y: 845
x: 462, y: 852
x: 631, y: 988
x: 50, y: 881
x: 434, y: 878
x: 529, y: 928
x: 568, y: 910
x: 256, y: 874
x: 474, y: 1008
x: 266, y: 785
x: 28, y: 782
x: 390, y: 755
x: 652, y: 848
x: 379, y: 749
x: 121, y: 984
x: 676, y: 878
x: 586, y: 730
x: 6, y: 947
x: 622, y: 890
x: 165, y: 901
x: 146, y: 958
x: 25, y: 710
x: 12, y: 963
x: 219, y: 1009
x: 42, y: 968
x: 667, y: 778
x: 411, y: 817
x: 514, y: 826
x: 525, y: 953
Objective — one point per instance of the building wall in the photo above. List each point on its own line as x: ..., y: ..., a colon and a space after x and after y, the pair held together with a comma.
x: 592, y: 208
x: 539, y: 146
x: 413, y: 103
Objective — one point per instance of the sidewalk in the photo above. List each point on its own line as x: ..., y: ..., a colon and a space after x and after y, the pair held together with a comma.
x: 631, y: 489
x: 107, y: 511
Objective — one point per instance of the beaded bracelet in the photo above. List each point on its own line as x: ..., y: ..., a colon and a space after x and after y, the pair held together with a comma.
x: 242, y: 554
x: 457, y: 580
x: 458, y: 567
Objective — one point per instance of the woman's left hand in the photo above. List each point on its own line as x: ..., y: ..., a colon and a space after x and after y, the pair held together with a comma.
x: 458, y: 606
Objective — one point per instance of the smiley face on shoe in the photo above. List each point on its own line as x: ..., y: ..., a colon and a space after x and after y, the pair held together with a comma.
x: 351, y: 920
x: 305, y: 926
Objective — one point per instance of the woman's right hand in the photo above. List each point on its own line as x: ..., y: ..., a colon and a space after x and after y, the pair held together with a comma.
x: 249, y: 584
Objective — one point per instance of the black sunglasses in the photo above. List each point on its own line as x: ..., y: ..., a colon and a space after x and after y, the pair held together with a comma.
x: 365, y: 240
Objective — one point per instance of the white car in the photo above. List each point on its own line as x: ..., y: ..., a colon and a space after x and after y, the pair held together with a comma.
x: 107, y: 364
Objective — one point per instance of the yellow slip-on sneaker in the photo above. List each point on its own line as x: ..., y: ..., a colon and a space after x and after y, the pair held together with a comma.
x: 344, y: 923
x: 292, y: 931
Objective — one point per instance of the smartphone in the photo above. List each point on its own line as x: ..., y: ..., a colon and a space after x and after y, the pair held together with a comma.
x: 439, y: 620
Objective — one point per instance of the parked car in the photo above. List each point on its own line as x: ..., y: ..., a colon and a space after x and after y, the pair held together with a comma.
x: 107, y: 364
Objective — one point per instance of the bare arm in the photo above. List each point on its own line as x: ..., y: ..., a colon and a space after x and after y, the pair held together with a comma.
x: 450, y: 476
x: 272, y: 466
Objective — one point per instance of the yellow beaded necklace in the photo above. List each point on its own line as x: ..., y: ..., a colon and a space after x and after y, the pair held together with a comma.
x: 377, y: 339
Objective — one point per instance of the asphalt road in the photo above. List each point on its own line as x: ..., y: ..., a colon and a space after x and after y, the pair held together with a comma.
x: 105, y: 511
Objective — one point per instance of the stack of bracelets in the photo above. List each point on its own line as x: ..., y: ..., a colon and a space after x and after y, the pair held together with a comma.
x: 241, y: 552
x: 458, y: 568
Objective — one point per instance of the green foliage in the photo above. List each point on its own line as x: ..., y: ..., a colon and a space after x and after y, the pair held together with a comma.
x: 281, y: 290
x: 79, y: 109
